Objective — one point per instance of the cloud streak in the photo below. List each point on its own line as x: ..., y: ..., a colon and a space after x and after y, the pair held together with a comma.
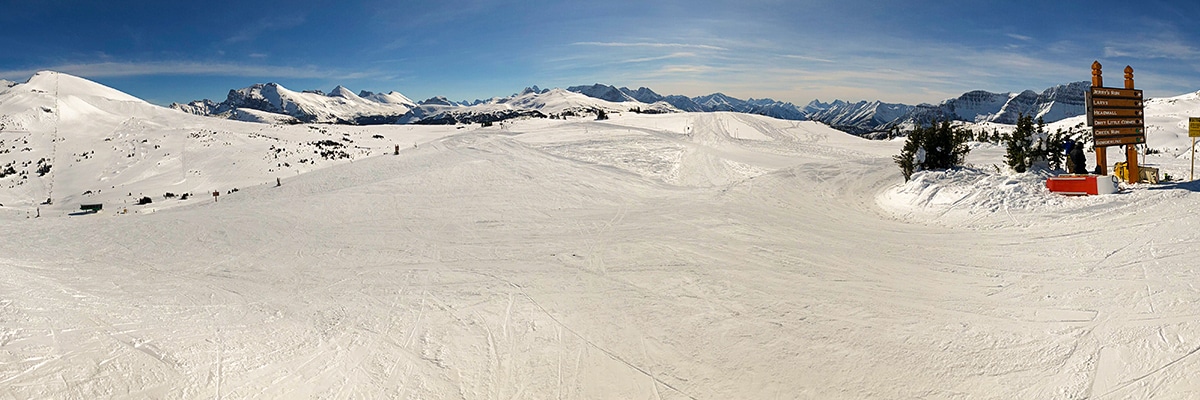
x: 808, y: 58
x: 264, y: 25
x: 160, y: 68
x: 659, y: 58
x: 651, y: 45
x: 1159, y: 48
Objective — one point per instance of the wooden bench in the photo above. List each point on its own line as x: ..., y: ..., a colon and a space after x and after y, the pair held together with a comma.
x: 93, y: 208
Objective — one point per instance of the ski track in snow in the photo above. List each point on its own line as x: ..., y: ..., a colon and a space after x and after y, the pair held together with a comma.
x: 671, y: 256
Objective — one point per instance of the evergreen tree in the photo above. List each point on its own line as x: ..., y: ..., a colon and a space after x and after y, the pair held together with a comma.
x: 1055, y: 157
x: 937, y: 146
x: 1017, y: 145
x: 1029, y: 145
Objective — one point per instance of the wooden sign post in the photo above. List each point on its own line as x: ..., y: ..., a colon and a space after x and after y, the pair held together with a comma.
x: 1193, y: 132
x: 1117, y: 117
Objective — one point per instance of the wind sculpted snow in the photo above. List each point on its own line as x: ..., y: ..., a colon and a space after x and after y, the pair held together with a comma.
x: 646, y: 256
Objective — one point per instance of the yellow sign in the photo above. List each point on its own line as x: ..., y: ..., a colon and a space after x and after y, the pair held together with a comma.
x: 1194, y: 127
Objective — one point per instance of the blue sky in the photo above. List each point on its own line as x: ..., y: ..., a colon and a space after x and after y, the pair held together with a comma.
x: 896, y: 51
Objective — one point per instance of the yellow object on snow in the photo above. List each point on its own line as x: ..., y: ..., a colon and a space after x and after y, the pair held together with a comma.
x: 1145, y: 174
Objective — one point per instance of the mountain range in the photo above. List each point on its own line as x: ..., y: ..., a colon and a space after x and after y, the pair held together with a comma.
x: 1053, y: 104
x: 273, y: 103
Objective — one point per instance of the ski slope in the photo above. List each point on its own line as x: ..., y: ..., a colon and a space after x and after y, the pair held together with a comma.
x: 679, y: 256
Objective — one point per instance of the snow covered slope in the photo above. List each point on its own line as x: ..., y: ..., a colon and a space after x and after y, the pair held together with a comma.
x: 675, y: 256
x: 73, y: 141
x: 1167, y: 123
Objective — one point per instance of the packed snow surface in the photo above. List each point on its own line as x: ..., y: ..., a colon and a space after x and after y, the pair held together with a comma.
x: 679, y: 256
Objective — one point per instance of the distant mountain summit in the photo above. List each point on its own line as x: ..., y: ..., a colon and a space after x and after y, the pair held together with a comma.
x: 643, y: 94
x: 709, y: 103
x: 341, y: 105
x: 271, y: 102
x: 602, y: 92
x: 858, y: 118
x: 1052, y: 104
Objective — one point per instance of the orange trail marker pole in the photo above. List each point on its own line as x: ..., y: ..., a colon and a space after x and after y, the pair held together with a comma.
x: 1131, y: 150
x: 1101, y: 151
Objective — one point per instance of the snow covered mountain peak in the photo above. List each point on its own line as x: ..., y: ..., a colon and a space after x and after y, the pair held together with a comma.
x: 55, y: 99
x: 602, y: 92
x: 341, y: 91
x: 718, y: 101
x: 339, y: 106
x: 60, y: 84
x: 438, y: 101
x: 532, y: 90
x: 392, y: 97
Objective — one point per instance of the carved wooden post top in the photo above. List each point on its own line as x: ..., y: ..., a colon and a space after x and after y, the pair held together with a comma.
x: 1128, y: 77
x: 1097, y: 80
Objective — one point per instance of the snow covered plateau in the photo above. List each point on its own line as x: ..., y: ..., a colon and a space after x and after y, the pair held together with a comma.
x: 672, y: 256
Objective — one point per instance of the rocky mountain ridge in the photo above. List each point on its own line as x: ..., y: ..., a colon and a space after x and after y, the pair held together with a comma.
x: 343, y: 106
x: 1052, y: 104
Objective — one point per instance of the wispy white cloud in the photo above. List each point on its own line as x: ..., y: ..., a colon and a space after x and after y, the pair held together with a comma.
x: 266, y: 24
x: 687, y: 69
x: 808, y: 58
x: 651, y: 44
x: 892, y: 70
x: 659, y: 58
x: 1022, y: 38
x: 129, y: 69
x: 1159, y: 48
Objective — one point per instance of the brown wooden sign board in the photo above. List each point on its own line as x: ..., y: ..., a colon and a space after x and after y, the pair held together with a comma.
x: 1119, y: 140
x: 1109, y: 122
x: 1117, y: 112
x: 1120, y: 103
x: 1117, y: 93
x: 1114, y: 122
x: 1118, y: 131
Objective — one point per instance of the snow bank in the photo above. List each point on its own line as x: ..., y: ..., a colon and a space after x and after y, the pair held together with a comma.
x: 986, y: 199
x: 980, y: 198
x: 961, y: 195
